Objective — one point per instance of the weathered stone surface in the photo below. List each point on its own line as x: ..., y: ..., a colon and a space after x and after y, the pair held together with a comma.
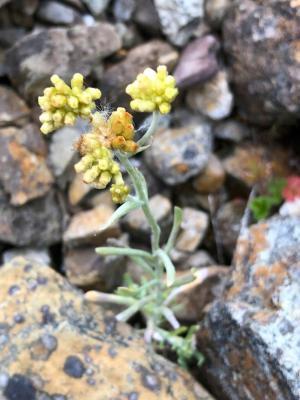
x: 124, y: 9
x: 179, y: 18
x: 214, y: 99
x: 78, y: 190
x: 62, y: 153
x: 256, y: 30
x: 212, y: 178
x: 136, y: 223
x: 13, y: 110
x: 232, y: 131
x: 193, y: 229
x: 252, y: 164
x: 39, y: 255
x: 57, y: 13
x: 178, y: 154
x: 146, y: 17
x: 251, y: 336
x: 215, y: 11
x: 55, y: 346
x: 86, y: 227
x: 37, y: 223
x: 150, y: 54
x: 86, y: 269
x: 198, y: 62
x: 23, y: 170
x: 96, y: 7
x: 63, y: 51
x: 228, y: 223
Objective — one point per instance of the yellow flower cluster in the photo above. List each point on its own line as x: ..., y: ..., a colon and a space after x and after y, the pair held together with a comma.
x: 117, y: 132
x: 62, y: 104
x: 153, y: 90
x: 99, y: 168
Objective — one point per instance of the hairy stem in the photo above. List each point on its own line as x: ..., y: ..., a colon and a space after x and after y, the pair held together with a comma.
x: 152, y: 128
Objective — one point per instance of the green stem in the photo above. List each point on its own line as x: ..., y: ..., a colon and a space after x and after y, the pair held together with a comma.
x: 141, y: 192
x: 178, y: 213
x: 120, y: 251
x: 99, y: 297
x: 152, y: 128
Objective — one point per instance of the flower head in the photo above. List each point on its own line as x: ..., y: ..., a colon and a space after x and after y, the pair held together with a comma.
x: 291, y: 192
x: 153, y: 90
x: 62, y: 104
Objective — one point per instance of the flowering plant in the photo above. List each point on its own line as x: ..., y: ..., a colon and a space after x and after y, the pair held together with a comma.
x: 109, y: 144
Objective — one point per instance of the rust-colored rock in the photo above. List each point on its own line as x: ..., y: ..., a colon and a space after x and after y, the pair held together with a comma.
x: 23, y: 170
x: 86, y: 227
x: 252, y: 164
x: 261, y: 41
x: 212, y: 178
x: 251, y: 336
x: 53, y: 345
x: 13, y: 110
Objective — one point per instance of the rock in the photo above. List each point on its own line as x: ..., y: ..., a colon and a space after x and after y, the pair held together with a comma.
x: 10, y: 35
x: 3, y: 2
x: 124, y: 9
x: 214, y: 99
x: 197, y: 260
x: 265, y: 92
x: 179, y: 18
x: 215, y: 11
x: 31, y: 254
x: 57, y: 13
x: 252, y: 164
x: 290, y: 208
x: 180, y: 153
x: 136, y: 224
x: 198, y: 62
x: 13, y: 110
x: 96, y: 7
x: 62, y: 153
x: 118, y: 76
x: 37, y: 223
x: 228, y: 223
x: 198, y: 295
x: 23, y: 171
x: 63, y: 51
x: 86, y: 269
x: 254, y: 328
x: 193, y: 228
x: 78, y: 190
x: 146, y: 17
x: 86, y: 227
x: 129, y: 36
x: 56, y: 346
x: 212, y: 178
x: 232, y: 130
x: 22, y: 12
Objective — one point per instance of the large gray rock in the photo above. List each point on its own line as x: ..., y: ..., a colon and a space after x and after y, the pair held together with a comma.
x: 37, y: 223
x: 255, y: 32
x: 251, y: 337
x: 56, y: 13
x: 178, y: 154
x: 56, y: 346
x: 32, y: 60
x: 179, y: 18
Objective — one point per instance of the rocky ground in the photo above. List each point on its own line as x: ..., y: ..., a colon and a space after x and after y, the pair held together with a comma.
x: 232, y: 130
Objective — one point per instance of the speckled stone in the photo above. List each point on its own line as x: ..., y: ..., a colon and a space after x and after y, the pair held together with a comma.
x: 251, y: 336
x: 13, y: 110
x: 261, y: 30
x: 180, y: 153
x: 67, y: 349
x: 179, y: 18
x: 32, y: 60
x: 24, y: 173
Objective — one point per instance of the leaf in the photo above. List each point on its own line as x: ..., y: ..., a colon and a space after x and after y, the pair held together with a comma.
x: 169, y: 267
x: 275, y: 189
x: 261, y: 207
x: 131, y: 204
